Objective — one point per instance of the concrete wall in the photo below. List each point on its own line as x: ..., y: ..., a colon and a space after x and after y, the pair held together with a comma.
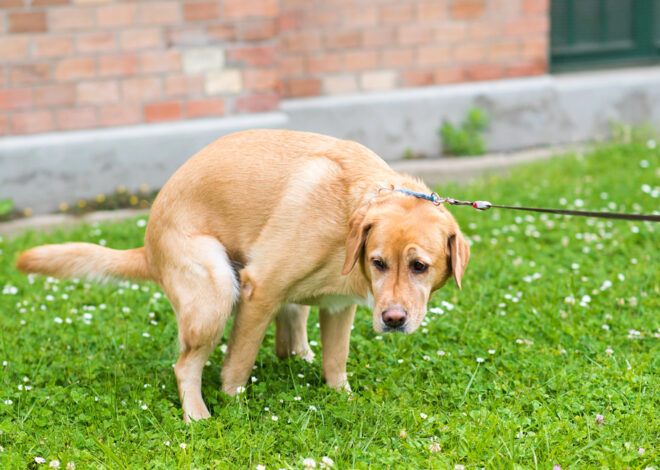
x: 42, y: 171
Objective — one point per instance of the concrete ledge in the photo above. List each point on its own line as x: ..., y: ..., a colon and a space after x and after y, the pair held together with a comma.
x: 41, y: 171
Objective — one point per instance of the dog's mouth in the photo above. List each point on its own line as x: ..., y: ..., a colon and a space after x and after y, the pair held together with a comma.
x: 398, y: 329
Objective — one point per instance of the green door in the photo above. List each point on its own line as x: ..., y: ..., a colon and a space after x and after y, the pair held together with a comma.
x: 603, y: 33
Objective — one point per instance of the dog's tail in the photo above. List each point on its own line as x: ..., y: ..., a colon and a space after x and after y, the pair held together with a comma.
x: 86, y: 261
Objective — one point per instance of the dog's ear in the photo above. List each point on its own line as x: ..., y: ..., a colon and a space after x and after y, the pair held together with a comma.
x: 459, y: 252
x: 358, y: 228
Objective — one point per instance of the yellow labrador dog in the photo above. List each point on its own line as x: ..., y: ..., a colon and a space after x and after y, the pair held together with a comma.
x: 266, y: 223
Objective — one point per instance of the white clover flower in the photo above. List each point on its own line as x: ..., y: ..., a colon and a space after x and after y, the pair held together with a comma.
x: 423, y: 415
x: 261, y: 467
x: 40, y: 460
x: 309, y: 463
x: 54, y: 464
x: 327, y: 461
x: 274, y: 418
x: 240, y: 389
x: 480, y: 360
x: 183, y: 445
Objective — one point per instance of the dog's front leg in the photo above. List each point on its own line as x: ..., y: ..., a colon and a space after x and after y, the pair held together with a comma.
x: 252, y: 319
x: 335, y: 337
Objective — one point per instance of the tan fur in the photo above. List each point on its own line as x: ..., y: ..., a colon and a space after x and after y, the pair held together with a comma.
x: 265, y: 223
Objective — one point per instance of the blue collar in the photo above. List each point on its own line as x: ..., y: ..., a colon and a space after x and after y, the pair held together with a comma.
x: 433, y: 197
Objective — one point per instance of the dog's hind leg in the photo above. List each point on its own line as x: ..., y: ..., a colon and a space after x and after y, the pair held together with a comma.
x: 291, y: 332
x: 202, y: 288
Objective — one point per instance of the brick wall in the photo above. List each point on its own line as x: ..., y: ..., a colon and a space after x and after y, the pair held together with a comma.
x: 75, y: 64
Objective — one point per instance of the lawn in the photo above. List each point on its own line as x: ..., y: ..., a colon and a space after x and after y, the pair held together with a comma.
x: 550, y: 355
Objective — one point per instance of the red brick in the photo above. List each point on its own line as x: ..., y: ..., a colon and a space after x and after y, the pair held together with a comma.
x: 221, y: 32
x: 414, y: 78
x: 13, y: 48
x: 528, y: 26
x: 186, y: 36
x: 302, y: 42
x: 253, y: 55
x: 338, y: 40
x: 160, y: 62
x: 141, y: 89
x: 297, y: 87
x: 450, y: 32
x: 397, y: 58
x: 534, y: 7
x: 75, y: 118
x: 449, y: 75
x: 164, y: 111
x: 378, y: 37
x: 261, y: 80
x: 4, y: 125
x: 201, y: 11
x: 257, y: 103
x: 535, y: 49
x: 15, y: 98
x: 252, y: 8
x: 485, y: 72
x: 29, y: 73
x: 32, y: 122
x: 205, y: 107
x: 258, y: 30
x: 467, y: 9
x: 323, y: 18
x: 116, y: 15
x: 361, y: 16
x: 433, y: 55
x: 41, y: 3
x: 290, y: 21
x: 160, y: 13
x: 74, y: 69
x: 4, y: 4
x: 54, y: 95
x: 120, y: 115
x: 527, y: 69
x: 184, y: 85
x: 27, y: 22
x: 326, y: 63
x: 71, y: 18
x: 291, y: 66
x: 118, y: 65
x: 99, y: 92
x: 500, y: 51
x: 360, y: 60
x: 466, y: 53
x: 134, y: 39
x: 415, y: 34
x: 485, y: 29
x: 432, y: 11
x: 101, y: 41
x: 52, y: 46
x: 396, y: 13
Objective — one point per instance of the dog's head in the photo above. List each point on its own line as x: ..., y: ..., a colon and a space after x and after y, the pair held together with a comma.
x: 407, y: 248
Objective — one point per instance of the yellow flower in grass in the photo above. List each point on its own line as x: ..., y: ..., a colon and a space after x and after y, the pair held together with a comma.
x: 133, y: 200
x: 100, y: 198
x: 64, y: 207
x: 27, y: 212
x: 82, y: 203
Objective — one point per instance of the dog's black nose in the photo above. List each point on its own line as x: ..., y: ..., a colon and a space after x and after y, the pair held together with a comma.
x: 394, y: 317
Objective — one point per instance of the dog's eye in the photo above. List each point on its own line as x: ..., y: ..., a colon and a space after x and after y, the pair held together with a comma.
x: 418, y: 267
x: 380, y: 265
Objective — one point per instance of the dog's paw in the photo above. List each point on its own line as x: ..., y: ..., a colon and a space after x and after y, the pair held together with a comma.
x: 307, y: 355
x: 340, y: 384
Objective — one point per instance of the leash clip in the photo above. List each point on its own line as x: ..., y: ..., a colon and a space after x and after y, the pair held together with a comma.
x: 482, y: 205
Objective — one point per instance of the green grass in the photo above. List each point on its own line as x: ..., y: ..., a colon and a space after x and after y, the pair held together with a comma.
x: 95, y: 355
